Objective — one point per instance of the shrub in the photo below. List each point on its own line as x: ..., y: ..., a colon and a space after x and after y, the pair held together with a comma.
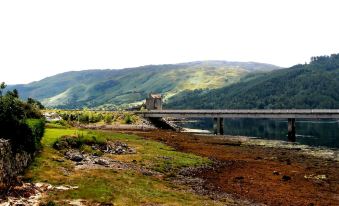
x: 86, y: 117
x: 37, y: 127
x: 66, y: 142
x: 24, y: 134
x: 108, y: 118
x: 128, y: 119
x: 78, y: 142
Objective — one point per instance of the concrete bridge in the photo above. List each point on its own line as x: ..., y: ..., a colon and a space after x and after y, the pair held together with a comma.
x: 219, y: 115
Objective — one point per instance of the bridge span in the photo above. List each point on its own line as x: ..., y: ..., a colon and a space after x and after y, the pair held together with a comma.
x: 219, y: 115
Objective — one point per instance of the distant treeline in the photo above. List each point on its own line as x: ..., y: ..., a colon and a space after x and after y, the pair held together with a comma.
x: 87, y: 117
x: 313, y: 85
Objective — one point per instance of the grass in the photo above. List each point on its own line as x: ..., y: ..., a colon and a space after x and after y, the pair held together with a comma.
x: 154, y: 155
x: 121, y: 187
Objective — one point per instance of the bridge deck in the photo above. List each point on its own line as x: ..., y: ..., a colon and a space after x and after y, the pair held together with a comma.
x: 256, y: 113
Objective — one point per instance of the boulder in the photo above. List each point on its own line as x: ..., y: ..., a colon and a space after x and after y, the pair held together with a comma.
x: 74, y: 156
x: 101, y: 162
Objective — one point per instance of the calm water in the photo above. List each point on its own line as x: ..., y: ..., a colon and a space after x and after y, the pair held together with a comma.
x: 315, y: 133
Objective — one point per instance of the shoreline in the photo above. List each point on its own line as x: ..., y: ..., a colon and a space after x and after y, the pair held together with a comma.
x: 260, y: 173
x: 243, y: 170
x: 316, y: 151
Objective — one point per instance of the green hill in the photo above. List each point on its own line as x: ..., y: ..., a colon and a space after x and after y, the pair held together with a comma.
x: 110, y: 88
x: 313, y: 85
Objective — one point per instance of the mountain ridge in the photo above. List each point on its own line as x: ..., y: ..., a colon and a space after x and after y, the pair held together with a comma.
x: 303, y: 86
x: 116, y: 87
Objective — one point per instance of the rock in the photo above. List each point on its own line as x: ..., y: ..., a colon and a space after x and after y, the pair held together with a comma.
x: 146, y: 172
x: 121, y: 144
x: 239, y: 179
x: 316, y: 177
x: 102, y: 162
x: 65, y: 187
x: 77, y: 158
x: 58, y: 160
x: 131, y: 151
x: 115, y: 148
x: 286, y: 178
x: 119, y: 150
x: 74, y: 156
x: 64, y: 171
x: 43, y: 186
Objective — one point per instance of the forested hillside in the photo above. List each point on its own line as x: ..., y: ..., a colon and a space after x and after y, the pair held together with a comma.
x: 313, y: 85
x: 109, y: 89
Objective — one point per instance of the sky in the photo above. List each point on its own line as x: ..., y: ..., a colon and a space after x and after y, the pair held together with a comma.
x: 40, y: 38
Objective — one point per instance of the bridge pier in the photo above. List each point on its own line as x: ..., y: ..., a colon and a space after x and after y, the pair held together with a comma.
x: 215, y: 126
x: 218, y: 126
x: 291, y: 130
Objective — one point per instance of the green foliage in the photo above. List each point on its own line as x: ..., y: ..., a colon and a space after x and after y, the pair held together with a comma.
x: 35, y: 103
x: 24, y: 133
x: 308, y: 86
x: 108, y: 118
x: 37, y: 127
x: 58, y: 124
x: 86, y: 117
x: 128, y: 119
x: 2, y: 87
x: 78, y: 141
x: 110, y: 89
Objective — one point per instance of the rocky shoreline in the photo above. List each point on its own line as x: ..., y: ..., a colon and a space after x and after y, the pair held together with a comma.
x: 245, y: 171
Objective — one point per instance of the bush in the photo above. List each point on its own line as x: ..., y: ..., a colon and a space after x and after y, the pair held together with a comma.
x: 108, y: 118
x: 129, y: 119
x: 86, y: 117
x: 77, y: 141
x: 66, y: 142
x: 23, y: 133
x: 37, y: 127
x: 83, y: 118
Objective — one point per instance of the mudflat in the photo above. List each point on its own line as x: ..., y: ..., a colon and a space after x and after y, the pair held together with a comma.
x: 257, y: 173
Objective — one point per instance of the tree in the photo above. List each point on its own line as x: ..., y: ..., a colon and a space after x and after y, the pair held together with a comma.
x: 36, y: 103
x: 13, y: 93
x: 17, y: 124
x: 2, y: 87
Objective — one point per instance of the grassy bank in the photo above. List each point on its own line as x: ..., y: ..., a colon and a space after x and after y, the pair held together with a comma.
x: 121, y: 187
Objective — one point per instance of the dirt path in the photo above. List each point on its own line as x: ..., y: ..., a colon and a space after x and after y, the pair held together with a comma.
x: 272, y: 176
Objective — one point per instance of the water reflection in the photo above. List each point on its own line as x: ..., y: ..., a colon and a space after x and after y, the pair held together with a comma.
x: 315, y: 133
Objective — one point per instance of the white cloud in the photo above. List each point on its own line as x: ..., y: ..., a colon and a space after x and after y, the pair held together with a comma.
x: 42, y: 38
